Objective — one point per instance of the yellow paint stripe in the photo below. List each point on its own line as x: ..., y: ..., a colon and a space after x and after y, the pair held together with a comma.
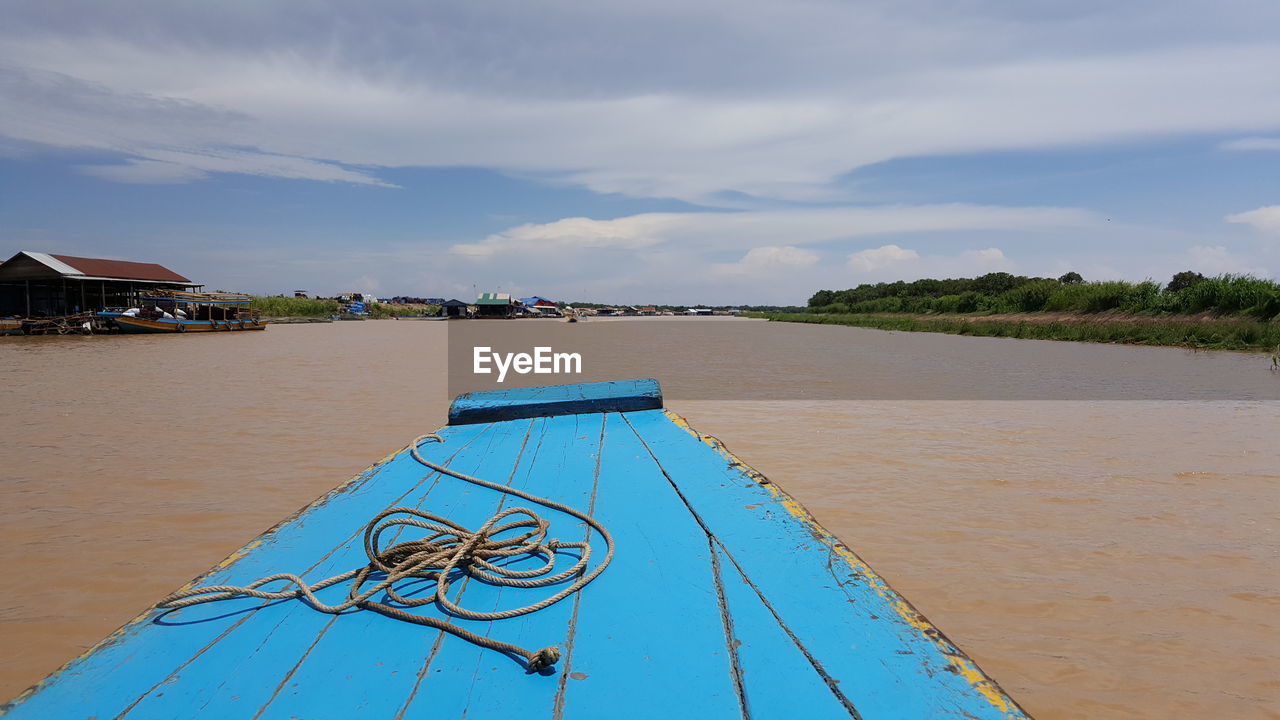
x: 967, y: 669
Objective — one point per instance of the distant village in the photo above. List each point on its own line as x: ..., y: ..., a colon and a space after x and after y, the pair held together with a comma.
x: 504, y: 305
x: 43, y: 293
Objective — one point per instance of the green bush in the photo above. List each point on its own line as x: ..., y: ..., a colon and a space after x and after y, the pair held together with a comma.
x: 1030, y: 297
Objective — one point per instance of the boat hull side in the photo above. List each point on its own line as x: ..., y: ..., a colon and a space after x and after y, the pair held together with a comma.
x: 134, y: 325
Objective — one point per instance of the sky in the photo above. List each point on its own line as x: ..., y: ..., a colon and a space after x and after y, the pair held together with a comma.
x: 692, y: 152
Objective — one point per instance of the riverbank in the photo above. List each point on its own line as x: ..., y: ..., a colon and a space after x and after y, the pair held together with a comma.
x: 1204, y: 332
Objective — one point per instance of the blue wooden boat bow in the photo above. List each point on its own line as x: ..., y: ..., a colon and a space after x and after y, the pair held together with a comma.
x: 725, y: 598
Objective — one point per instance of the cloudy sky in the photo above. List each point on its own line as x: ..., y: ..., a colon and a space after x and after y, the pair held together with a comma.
x: 700, y: 151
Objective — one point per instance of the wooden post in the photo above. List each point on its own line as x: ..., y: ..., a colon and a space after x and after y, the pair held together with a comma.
x: 28, y: 284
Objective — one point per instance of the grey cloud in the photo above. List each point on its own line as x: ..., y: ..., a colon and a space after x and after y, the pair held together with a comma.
x: 663, y: 98
x: 173, y: 139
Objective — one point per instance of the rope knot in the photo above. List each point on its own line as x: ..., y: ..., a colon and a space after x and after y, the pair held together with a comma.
x: 544, y: 658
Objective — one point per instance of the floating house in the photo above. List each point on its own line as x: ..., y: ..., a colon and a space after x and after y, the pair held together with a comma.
x: 453, y: 308
x: 496, y: 305
x: 34, y: 284
x: 537, y: 302
x: 539, y: 307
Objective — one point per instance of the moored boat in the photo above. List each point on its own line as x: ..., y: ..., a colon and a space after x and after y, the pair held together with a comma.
x: 695, y: 588
x: 178, y: 312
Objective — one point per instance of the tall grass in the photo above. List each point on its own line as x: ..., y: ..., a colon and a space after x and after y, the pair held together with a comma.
x: 307, y: 307
x: 294, y: 307
x: 1230, y: 334
x: 383, y: 310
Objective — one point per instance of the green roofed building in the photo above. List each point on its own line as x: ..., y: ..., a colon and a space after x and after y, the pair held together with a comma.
x: 500, y: 305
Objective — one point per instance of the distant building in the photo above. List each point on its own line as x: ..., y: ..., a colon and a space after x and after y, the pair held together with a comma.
x: 700, y: 312
x: 34, y: 284
x: 539, y: 307
x: 452, y: 308
x: 496, y: 305
x: 648, y: 310
x: 536, y: 301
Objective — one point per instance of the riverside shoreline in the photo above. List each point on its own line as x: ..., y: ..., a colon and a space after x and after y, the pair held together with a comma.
x: 1190, y: 331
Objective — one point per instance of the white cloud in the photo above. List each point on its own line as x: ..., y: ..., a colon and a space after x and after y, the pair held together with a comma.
x: 1266, y: 219
x: 1216, y: 260
x: 765, y: 228
x: 648, y: 257
x: 875, y: 258
x: 578, y: 233
x: 1252, y: 143
x: 991, y: 256
x: 891, y: 262
x: 768, y: 260
x: 144, y: 172
x: 727, y: 100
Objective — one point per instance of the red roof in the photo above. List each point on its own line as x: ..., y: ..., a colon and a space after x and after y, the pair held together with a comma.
x: 122, y: 269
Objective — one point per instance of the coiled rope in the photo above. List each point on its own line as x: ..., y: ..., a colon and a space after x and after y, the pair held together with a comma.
x: 450, y: 547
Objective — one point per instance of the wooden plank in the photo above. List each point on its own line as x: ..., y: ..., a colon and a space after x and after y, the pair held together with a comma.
x: 517, y: 403
x: 462, y: 680
x: 649, y: 638
x: 436, y: 670
x: 881, y: 654
x: 245, y: 672
x: 778, y: 680
x: 144, y: 654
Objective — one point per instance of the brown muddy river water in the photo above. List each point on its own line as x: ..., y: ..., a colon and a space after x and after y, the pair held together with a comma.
x: 1098, y: 526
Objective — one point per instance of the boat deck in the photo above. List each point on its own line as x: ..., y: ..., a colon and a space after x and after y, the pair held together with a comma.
x: 724, y: 600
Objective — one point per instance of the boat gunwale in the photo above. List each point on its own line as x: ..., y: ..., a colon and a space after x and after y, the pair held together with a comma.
x: 978, y: 679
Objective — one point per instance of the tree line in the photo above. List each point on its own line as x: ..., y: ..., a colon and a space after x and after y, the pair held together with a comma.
x: 1186, y: 293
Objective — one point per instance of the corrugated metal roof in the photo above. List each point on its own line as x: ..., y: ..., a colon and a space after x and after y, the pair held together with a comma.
x: 118, y: 269
x: 52, y: 263
x: 495, y: 299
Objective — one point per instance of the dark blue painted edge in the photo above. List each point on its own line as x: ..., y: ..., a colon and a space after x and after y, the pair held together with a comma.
x: 550, y: 400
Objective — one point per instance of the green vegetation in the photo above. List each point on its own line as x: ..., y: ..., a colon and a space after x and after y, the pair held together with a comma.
x: 1218, y: 334
x: 306, y: 307
x: 1231, y: 312
x: 382, y: 310
x: 1187, y: 293
x: 294, y: 307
